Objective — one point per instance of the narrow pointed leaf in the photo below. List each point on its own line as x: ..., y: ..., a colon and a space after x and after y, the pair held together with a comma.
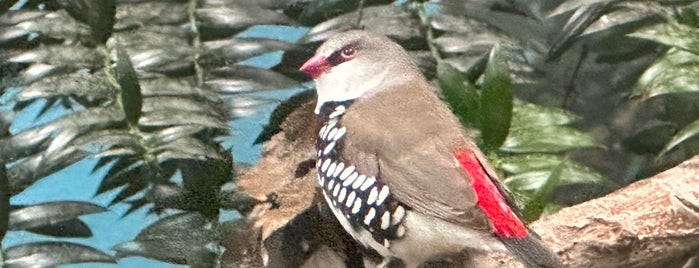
x: 177, y: 132
x: 472, y: 44
x: 57, y: 25
x: 39, y: 71
x: 50, y: 213
x: 542, y: 196
x: 119, y: 173
x: 187, y: 148
x: 27, y: 171
x: 18, y: 16
x: 672, y: 34
x: 122, y: 179
x: 567, y: 6
x: 514, y: 25
x: 183, y: 104
x: 239, y: 79
x: 532, y: 115
x: 52, y: 254
x: 74, y: 228
x: 33, y: 140
x: 228, y: 51
x: 167, y: 118
x: 98, y: 14
x: 624, y: 19
x: 394, y: 21
x: 688, y: 132
x: 173, y: 239
x: 496, y: 100
x: 185, y: 87
x: 135, y: 205
x: 675, y: 72
x: 551, y: 139
x: 577, y: 22
x: 130, y: 190
x: 103, y: 140
x: 74, y: 84
x: 650, y: 138
x: 533, y: 177
x: 521, y: 163
x: 131, y: 99
x: 459, y: 94
x: 103, y: 162
x: 318, y: 11
x: 226, y: 21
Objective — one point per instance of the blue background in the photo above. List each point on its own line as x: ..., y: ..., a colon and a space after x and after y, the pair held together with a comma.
x: 76, y: 182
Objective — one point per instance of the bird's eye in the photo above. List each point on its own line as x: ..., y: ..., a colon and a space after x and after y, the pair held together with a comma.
x: 348, y: 52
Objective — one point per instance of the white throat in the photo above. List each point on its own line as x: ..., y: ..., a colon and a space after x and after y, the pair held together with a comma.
x: 335, y: 86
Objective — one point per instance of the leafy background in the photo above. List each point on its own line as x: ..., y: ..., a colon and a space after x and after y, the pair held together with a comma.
x: 148, y: 100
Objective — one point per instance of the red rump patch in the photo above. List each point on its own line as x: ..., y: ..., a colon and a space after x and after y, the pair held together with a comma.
x: 490, y: 200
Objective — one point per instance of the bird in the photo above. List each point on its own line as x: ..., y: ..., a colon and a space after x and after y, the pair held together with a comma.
x: 396, y: 168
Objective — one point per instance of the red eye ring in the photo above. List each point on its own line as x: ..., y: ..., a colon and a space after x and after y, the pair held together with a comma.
x: 348, y: 52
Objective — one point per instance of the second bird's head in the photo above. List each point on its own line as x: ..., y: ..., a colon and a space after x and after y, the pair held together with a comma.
x: 356, y: 64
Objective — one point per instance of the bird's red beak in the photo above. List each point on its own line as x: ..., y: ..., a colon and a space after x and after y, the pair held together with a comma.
x: 315, y: 66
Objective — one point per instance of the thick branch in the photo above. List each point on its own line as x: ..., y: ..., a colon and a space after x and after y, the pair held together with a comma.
x: 651, y: 223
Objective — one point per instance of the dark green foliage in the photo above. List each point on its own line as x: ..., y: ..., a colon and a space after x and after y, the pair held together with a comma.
x: 180, y: 238
x: 671, y: 85
x: 51, y: 213
x: 52, y: 254
x: 560, y: 55
x: 460, y: 94
x: 131, y: 99
x: 496, y: 100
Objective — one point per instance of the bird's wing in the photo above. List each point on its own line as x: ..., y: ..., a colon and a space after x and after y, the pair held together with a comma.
x: 411, y: 141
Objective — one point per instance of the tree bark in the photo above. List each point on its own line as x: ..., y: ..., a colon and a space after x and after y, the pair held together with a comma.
x: 651, y: 223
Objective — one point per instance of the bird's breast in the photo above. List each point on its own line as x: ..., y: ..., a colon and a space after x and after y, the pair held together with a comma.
x: 365, y: 203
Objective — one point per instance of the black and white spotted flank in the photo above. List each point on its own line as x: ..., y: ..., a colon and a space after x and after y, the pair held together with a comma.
x: 363, y: 200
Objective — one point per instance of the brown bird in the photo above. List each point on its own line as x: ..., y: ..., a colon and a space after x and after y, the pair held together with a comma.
x: 396, y: 167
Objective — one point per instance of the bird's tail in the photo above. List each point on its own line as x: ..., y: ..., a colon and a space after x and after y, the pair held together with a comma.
x: 532, y: 252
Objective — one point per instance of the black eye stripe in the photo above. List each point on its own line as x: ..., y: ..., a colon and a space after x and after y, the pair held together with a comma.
x: 336, y: 57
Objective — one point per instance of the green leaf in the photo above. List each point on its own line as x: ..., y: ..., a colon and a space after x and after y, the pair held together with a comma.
x: 535, y: 207
x: 180, y: 238
x: 651, y: 137
x: 131, y: 99
x: 124, y: 171
x: 691, y: 130
x: 52, y: 254
x: 688, y: 16
x: 460, y: 94
x: 99, y: 14
x: 129, y: 191
x: 531, y: 172
x: 236, y: 79
x: 672, y: 34
x: 50, y: 213
x: 74, y: 228
x: 532, y: 115
x: 521, y: 163
x: 546, y: 139
x: 675, y: 72
x: 496, y: 101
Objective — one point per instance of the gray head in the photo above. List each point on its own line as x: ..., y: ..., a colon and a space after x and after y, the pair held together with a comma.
x: 355, y: 64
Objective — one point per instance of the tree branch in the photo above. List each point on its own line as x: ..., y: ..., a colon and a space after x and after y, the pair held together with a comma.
x: 651, y: 223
